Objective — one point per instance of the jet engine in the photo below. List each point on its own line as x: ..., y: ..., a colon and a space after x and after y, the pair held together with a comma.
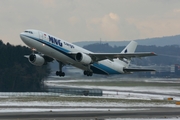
x: 83, y: 58
x: 36, y: 59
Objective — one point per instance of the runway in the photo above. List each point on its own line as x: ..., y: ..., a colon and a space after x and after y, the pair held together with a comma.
x: 95, y: 115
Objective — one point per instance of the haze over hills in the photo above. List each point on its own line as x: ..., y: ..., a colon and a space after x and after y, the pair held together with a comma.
x: 158, y: 41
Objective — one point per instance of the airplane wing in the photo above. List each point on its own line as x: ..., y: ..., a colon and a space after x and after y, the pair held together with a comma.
x: 101, y: 56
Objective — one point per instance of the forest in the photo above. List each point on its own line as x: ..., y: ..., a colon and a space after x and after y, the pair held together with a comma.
x: 16, y: 73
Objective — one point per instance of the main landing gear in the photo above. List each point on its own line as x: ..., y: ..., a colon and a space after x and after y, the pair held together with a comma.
x: 88, y: 73
x: 60, y: 73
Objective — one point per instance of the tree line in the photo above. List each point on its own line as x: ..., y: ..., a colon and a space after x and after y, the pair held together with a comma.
x: 16, y: 73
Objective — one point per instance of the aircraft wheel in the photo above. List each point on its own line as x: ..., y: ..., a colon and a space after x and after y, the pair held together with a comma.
x: 57, y: 73
x: 85, y: 72
x: 88, y: 73
x: 63, y: 74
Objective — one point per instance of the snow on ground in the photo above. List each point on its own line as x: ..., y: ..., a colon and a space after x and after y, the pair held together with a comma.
x: 85, y: 104
x: 167, y: 90
x: 126, y: 94
x: 109, y: 92
x: 115, y: 92
x: 130, y: 95
x: 56, y: 79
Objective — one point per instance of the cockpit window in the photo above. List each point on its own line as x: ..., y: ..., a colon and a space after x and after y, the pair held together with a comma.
x: 28, y: 32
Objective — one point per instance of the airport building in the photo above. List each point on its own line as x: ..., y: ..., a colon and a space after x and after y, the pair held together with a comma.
x: 170, y: 71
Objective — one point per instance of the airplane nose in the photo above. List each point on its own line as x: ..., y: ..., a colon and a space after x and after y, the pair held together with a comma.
x: 22, y: 36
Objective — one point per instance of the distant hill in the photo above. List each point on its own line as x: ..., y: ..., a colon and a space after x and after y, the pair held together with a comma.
x: 159, y: 41
x: 166, y: 55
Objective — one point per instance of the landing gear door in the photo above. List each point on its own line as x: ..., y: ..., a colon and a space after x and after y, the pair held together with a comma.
x: 40, y: 35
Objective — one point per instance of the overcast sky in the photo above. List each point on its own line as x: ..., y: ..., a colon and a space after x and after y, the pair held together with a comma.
x: 86, y: 20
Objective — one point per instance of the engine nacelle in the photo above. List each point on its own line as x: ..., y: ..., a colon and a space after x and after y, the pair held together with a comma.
x: 36, y: 59
x: 83, y: 58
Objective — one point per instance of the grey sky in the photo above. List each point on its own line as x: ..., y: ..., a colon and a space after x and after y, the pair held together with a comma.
x: 86, y: 20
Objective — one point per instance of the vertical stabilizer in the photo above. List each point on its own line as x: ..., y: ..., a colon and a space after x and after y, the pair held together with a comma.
x: 130, y: 48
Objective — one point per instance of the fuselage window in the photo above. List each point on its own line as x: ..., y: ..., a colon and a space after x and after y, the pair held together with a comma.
x: 28, y: 32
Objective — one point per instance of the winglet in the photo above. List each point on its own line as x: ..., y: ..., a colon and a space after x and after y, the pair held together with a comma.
x: 154, y: 54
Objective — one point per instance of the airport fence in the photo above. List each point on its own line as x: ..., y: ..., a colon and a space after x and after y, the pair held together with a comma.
x: 57, y: 92
x: 77, y: 91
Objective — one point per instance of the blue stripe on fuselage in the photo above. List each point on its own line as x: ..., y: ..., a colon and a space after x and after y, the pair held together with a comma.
x: 105, y: 69
x: 96, y: 68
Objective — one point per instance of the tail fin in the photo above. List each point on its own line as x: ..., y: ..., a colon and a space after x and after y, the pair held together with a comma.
x: 130, y: 48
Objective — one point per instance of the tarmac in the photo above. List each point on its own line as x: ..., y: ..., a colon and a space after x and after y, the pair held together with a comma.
x: 147, y: 112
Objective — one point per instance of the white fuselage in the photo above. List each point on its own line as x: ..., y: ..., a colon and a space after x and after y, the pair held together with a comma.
x: 60, y: 50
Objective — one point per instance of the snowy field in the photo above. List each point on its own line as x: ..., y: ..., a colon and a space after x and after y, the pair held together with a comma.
x: 126, y: 88
x: 116, y: 97
x: 149, y: 96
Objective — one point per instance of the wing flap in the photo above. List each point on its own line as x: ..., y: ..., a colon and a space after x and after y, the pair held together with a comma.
x: 137, y: 70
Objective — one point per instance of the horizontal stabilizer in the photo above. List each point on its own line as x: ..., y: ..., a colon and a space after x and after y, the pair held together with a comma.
x: 137, y: 70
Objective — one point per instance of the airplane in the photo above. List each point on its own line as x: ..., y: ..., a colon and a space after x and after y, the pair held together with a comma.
x: 52, y: 48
